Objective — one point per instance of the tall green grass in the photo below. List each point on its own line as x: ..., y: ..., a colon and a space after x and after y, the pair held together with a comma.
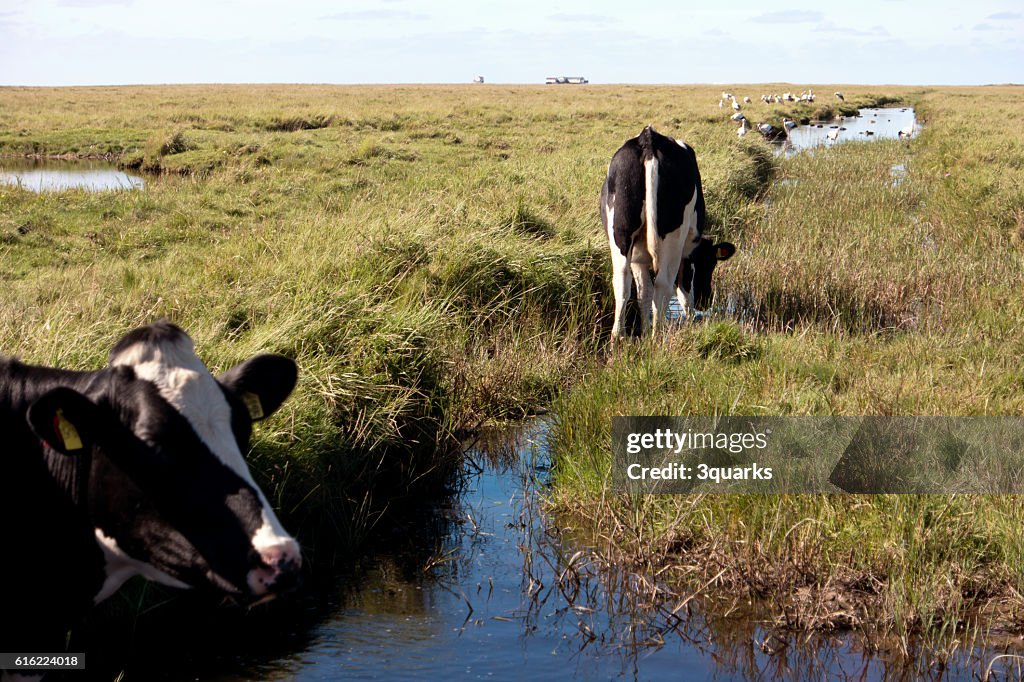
x: 854, y: 293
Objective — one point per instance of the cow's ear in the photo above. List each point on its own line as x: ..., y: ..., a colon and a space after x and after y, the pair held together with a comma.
x: 724, y: 250
x: 65, y: 420
x: 262, y: 383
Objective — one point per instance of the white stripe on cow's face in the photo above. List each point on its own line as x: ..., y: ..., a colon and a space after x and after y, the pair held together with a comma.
x: 184, y: 381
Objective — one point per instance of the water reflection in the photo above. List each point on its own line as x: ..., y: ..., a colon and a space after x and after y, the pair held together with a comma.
x: 56, y: 176
x: 488, y: 587
x: 871, y: 124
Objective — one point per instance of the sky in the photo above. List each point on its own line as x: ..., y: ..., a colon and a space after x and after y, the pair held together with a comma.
x: 111, y: 42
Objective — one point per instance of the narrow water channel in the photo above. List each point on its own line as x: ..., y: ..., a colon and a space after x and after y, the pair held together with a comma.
x: 885, y: 123
x: 495, y: 593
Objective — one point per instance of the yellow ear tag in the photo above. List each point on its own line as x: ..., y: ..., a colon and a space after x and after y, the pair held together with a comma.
x: 68, y: 432
x: 252, y: 403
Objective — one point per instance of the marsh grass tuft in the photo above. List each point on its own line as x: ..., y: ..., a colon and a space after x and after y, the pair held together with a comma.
x: 173, y: 153
x: 175, y: 143
x: 291, y: 124
x: 526, y: 221
x: 368, y: 149
x: 753, y: 170
x: 727, y: 341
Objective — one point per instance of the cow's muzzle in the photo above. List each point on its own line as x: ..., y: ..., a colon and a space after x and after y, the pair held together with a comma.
x: 278, y: 570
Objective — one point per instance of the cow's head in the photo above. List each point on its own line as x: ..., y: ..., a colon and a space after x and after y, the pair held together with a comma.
x: 696, y: 270
x: 170, y: 495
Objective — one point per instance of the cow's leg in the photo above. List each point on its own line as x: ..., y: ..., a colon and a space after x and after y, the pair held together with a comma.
x: 665, y: 279
x: 644, y: 292
x: 622, y: 280
x: 622, y: 284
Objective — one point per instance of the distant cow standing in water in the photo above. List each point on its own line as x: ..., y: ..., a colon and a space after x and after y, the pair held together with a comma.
x: 133, y: 469
x: 652, y: 206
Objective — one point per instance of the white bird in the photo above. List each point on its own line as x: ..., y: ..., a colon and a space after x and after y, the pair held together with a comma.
x: 746, y: 100
x: 840, y: 97
x: 735, y: 105
x: 738, y: 116
x: 907, y: 132
x: 743, y: 128
x: 833, y: 134
x: 789, y: 123
x: 721, y: 103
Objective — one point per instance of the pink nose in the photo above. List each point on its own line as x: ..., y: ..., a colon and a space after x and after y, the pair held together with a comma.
x: 278, y: 570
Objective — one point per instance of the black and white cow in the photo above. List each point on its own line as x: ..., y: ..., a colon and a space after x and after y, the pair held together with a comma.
x: 133, y: 469
x: 652, y: 206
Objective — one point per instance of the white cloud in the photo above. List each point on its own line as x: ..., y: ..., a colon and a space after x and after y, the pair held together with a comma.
x: 581, y: 18
x: 93, y: 3
x: 990, y: 27
x: 789, y: 16
x: 829, y: 27
x: 376, y: 15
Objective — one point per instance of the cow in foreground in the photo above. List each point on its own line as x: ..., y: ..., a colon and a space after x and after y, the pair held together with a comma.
x: 652, y: 206
x: 133, y: 469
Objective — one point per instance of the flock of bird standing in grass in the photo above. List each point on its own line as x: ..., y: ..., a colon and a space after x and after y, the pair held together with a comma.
x: 774, y: 133
x: 768, y: 131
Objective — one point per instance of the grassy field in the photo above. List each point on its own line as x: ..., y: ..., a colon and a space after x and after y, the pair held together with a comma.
x: 861, y: 295
x: 432, y: 258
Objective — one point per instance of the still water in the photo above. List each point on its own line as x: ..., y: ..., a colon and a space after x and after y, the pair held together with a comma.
x: 56, y: 176
x: 872, y: 124
x: 496, y: 592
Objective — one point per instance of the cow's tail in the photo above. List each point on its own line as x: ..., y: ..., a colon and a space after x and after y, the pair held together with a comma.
x: 651, y: 194
x: 701, y: 209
